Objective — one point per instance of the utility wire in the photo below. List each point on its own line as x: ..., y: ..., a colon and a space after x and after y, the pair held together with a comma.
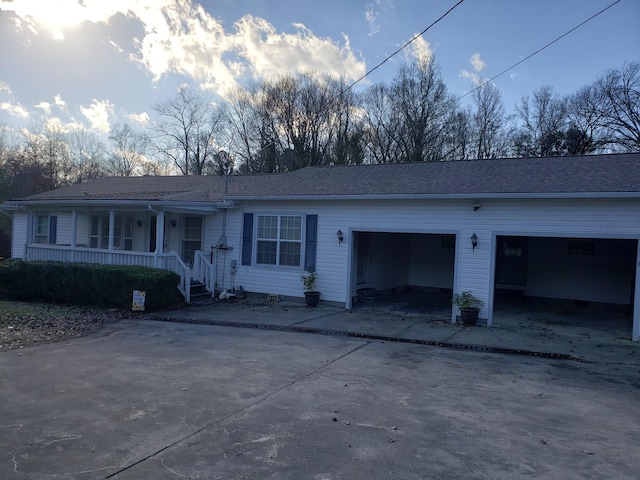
x: 539, y: 50
x: 415, y: 37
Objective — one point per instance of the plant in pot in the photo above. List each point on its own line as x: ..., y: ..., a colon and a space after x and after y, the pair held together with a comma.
x: 469, y: 307
x: 309, y: 280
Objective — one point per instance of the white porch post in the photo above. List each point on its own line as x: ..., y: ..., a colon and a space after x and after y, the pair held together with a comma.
x: 74, y: 227
x: 74, y: 233
x: 29, y: 239
x: 159, y: 238
x: 112, y: 227
x: 635, y: 331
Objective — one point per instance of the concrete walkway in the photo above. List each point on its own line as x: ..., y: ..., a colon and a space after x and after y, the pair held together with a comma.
x: 530, y: 333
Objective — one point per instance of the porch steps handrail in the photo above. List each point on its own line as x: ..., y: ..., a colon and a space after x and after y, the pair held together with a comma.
x: 203, y: 271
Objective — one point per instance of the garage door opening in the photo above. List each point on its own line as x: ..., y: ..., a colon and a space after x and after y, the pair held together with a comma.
x: 572, y: 281
x: 404, y: 272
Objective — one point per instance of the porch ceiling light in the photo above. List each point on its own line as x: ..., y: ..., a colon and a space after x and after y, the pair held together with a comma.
x: 474, y: 241
x: 139, y: 223
x: 340, y: 236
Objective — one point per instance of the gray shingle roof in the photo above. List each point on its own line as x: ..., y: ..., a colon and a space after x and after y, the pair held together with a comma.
x: 597, y: 174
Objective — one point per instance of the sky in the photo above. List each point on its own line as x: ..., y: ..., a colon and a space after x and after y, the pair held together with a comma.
x: 89, y: 64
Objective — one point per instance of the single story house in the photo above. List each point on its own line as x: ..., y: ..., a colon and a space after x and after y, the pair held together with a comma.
x: 560, y: 227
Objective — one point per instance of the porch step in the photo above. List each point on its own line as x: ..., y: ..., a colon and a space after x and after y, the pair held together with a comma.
x: 199, y: 292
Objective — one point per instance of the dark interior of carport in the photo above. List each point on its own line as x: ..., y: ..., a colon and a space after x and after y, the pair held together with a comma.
x: 575, y: 281
x: 407, y: 272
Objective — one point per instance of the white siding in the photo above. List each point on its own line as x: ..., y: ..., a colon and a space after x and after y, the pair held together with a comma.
x: 19, y: 234
x: 597, y: 218
x: 63, y: 233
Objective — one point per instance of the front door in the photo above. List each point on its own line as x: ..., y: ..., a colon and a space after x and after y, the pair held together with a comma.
x: 191, y: 239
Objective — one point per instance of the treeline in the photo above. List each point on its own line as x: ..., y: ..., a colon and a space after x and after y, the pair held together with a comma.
x: 296, y: 121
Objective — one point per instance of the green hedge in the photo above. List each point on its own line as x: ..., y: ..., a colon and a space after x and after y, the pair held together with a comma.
x: 88, y: 284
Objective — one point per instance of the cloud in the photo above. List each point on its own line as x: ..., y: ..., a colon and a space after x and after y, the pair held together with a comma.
x: 141, y: 119
x: 59, y: 102
x: 371, y: 15
x: 4, y: 87
x: 420, y: 48
x: 478, y: 65
x: 98, y: 114
x: 14, y: 109
x: 180, y: 37
x: 474, y: 77
x: 477, y: 62
x: 270, y: 54
x: 45, y: 106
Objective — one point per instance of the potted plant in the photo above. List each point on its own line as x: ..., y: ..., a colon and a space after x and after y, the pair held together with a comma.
x: 469, y: 307
x: 311, y: 296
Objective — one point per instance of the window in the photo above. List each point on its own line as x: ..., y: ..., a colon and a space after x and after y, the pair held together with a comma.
x: 192, y: 239
x: 279, y: 240
x: 42, y: 229
x: 122, y: 232
x: 45, y: 230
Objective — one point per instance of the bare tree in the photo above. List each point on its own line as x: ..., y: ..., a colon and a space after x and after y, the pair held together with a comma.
x: 586, y: 132
x: 187, y: 131
x: 422, y: 103
x: 382, y: 127
x: 543, y: 122
x: 87, y: 154
x: 620, y: 90
x: 488, y: 121
x: 129, y: 150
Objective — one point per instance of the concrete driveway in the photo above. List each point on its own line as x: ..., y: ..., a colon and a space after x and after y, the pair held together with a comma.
x: 163, y: 400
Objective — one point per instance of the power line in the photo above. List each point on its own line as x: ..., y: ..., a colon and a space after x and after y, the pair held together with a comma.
x: 539, y: 50
x: 415, y: 37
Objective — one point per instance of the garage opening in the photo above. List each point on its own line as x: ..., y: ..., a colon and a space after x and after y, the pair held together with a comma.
x: 572, y: 281
x: 404, y: 272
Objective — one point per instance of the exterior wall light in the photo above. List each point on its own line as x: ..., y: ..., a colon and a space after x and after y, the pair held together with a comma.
x: 340, y: 236
x: 139, y: 223
x: 173, y: 224
x: 474, y: 241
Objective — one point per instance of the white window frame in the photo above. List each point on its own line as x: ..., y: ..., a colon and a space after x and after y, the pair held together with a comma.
x: 284, y: 236
x: 123, y: 232
x: 41, y: 222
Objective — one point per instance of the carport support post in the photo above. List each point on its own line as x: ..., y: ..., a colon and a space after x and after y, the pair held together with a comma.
x: 635, y: 332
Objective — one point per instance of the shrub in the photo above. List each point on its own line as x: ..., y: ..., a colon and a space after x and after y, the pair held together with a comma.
x: 84, y: 284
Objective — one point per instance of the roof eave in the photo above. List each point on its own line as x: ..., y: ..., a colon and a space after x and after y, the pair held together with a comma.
x: 438, y: 196
x: 103, y: 203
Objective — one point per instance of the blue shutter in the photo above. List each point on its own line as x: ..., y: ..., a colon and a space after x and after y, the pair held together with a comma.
x: 53, y: 227
x: 247, y: 239
x: 311, y: 242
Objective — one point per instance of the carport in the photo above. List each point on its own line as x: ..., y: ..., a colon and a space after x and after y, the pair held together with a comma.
x: 577, y: 280
x: 414, y: 269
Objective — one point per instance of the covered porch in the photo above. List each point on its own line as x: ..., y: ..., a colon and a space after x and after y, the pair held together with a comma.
x: 168, y: 237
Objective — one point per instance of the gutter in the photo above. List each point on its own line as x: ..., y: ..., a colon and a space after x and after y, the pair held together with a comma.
x: 439, y: 196
x: 120, y: 203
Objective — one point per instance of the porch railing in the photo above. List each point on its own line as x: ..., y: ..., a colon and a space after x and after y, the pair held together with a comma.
x: 203, y: 271
x: 166, y: 261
